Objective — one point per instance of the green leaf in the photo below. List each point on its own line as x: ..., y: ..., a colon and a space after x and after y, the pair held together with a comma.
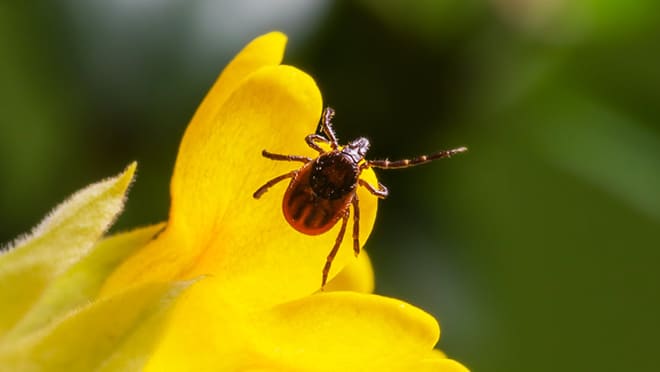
x: 115, y: 333
x: 60, y: 240
x: 82, y: 282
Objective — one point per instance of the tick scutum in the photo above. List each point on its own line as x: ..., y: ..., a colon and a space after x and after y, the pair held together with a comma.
x: 334, y: 175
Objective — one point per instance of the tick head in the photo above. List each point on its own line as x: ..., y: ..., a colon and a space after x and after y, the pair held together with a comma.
x: 357, y: 149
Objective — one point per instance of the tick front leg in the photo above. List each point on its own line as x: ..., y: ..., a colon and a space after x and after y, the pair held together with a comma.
x: 326, y: 126
x: 381, y: 192
x: 405, y: 163
x: 333, y: 252
x: 260, y: 191
x: 272, y: 156
x: 312, y: 140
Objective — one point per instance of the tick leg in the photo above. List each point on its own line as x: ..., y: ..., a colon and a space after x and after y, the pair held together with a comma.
x: 380, y: 192
x: 272, y: 156
x: 326, y: 126
x: 405, y: 163
x: 333, y: 252
x: 356, y: 225
x: 260, y: 191
x: 312, y: 140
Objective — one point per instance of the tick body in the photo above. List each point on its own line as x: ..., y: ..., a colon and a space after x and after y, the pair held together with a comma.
x: 322, y: 191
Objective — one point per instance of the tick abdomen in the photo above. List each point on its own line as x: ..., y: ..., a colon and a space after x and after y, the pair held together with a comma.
x: 319, y: 194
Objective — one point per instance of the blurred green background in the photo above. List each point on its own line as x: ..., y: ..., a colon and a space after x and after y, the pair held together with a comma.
x: 537, y: 251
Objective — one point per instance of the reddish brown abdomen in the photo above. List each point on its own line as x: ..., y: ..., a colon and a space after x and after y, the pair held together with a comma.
x: 306, y: 211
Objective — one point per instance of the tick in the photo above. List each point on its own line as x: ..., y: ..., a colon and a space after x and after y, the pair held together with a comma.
x: 323, y: 189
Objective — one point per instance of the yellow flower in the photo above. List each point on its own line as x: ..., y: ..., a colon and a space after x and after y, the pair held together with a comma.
x: 226, y: 284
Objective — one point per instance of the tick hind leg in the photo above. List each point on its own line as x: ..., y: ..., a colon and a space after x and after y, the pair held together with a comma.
x: 335, y: 248
x: 260, y: 191
x: 380, y: 192
x: 356, y: 225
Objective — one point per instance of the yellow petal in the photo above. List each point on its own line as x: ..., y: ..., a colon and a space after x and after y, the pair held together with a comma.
x: 117, y: 332
x: 196, y: 173
x: 436, y: 364
x: 331, y: 331
x: 80, y: 284
x: 358, y: 276
x: 266, y: 50
x: 60, y: 240
x: 345, y: 331
x: 204, y: 333
x: 435, y: 361
x: 438, y: 354
x: 217, y: 228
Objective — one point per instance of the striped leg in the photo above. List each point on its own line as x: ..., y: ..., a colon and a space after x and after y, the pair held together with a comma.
x: 405, y: 163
